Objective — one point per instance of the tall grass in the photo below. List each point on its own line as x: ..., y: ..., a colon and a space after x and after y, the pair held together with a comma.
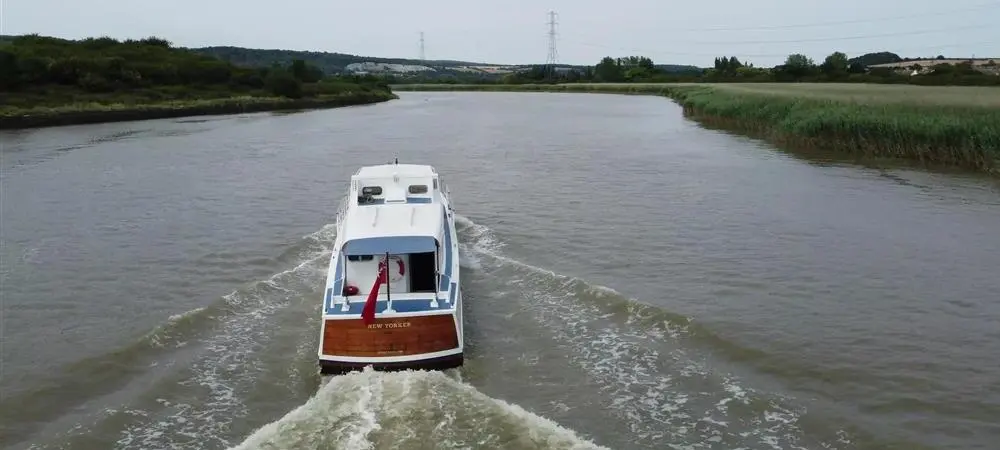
x: 966, y: 136
x: 948, y: 125
x: 875, y: 93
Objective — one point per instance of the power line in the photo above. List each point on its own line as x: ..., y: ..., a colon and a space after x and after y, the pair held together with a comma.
x: 994, y: 4
x: 929, y: 49
x: 841, y: 38
x: 553, y: 55
x: 838, y: 38
x: 779, y: 55
x: 846, y: 22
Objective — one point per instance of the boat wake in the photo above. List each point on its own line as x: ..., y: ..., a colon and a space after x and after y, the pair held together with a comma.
x: 660, y: 395
x: 369, y: 409
x: 188, y: 379
x: 242, y: 371
x: 664, y: 393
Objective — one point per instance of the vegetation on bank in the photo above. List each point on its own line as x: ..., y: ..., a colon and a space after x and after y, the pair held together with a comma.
x: 835, y: 68
x: 444, y: 70
x: 326, y: 61
x: 46, y: 80
x: 947, y: 125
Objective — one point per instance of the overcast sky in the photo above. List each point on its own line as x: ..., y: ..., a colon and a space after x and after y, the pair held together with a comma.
x: 515, y: 31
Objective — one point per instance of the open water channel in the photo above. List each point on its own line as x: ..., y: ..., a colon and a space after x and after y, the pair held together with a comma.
x: 634, y: 281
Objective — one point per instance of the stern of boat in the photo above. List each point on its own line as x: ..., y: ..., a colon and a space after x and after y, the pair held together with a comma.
x: 429, y: 342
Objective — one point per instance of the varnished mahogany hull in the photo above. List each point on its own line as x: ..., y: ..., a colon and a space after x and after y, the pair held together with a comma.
x: 406, y: 338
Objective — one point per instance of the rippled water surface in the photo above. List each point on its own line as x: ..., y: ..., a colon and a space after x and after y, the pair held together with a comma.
x: 633, y: 281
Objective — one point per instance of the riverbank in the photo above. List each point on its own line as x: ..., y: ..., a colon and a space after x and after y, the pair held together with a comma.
x: 53, y: 81
x: 953, y: 126
x: 84, y: 113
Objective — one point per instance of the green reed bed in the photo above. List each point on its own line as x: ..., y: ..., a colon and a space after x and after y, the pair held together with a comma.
x: 948, y: 126
x: 965, y: 136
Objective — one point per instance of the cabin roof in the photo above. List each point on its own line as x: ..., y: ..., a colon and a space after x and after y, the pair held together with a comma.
x: 403, y: 170
x: 394, y: 220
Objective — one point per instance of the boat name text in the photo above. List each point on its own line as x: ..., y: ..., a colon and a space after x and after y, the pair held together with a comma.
x: 379, y: 326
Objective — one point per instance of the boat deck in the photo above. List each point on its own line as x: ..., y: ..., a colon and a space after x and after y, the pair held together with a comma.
x: 405, y: 302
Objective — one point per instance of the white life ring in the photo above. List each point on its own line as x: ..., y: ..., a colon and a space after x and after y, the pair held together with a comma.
x: 400, y: 269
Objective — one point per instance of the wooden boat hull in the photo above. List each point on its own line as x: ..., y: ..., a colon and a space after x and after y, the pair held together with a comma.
x: 428, y: 342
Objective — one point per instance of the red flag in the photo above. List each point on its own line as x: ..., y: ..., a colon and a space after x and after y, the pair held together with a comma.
x: 368, y: 313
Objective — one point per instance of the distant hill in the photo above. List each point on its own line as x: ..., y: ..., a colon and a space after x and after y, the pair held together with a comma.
x: 892, y: 60
x: 871, y: 59
x: 883, y: 58
x: 328, y: 62
x: 675, y: 68
x: 336, y: 62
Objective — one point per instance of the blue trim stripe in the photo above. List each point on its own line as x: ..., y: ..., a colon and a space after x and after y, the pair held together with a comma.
x: 446, y: 278
x: 356, y: 306
x: 338, y: 285
x: 381, y: 201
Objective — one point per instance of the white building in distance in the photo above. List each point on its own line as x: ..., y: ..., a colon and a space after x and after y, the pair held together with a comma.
x: 374, y: 67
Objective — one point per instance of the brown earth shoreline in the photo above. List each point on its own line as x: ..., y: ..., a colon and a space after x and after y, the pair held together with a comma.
x: 121, y: 113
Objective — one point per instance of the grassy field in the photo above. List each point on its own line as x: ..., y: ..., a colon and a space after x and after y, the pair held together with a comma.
x: 988, y: 97
x: 940, y: 125
x: 851, y: 92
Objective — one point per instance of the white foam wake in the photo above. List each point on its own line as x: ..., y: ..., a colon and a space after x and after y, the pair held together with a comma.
x: 666, y: 394
x: 207, y: 401
x: 367, y: 410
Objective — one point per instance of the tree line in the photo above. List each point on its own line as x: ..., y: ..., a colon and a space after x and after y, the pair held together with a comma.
x: 329, y: 62
x: 33, y: 63
x: 106, y: 65
x: 836, y: 67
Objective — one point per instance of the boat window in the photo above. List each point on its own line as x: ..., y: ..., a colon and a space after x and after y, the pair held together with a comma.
x: 435, y: 183
x: 418, y: 188
x: 360, y: 257
x: 372, y: 190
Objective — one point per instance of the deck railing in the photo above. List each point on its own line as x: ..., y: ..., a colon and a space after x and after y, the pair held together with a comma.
x: 341, y: 211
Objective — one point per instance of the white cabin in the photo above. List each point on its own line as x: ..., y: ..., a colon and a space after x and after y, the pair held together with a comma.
x: 403, y: 212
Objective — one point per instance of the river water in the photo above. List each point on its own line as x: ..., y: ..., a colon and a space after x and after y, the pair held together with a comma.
x: 633, y: 281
